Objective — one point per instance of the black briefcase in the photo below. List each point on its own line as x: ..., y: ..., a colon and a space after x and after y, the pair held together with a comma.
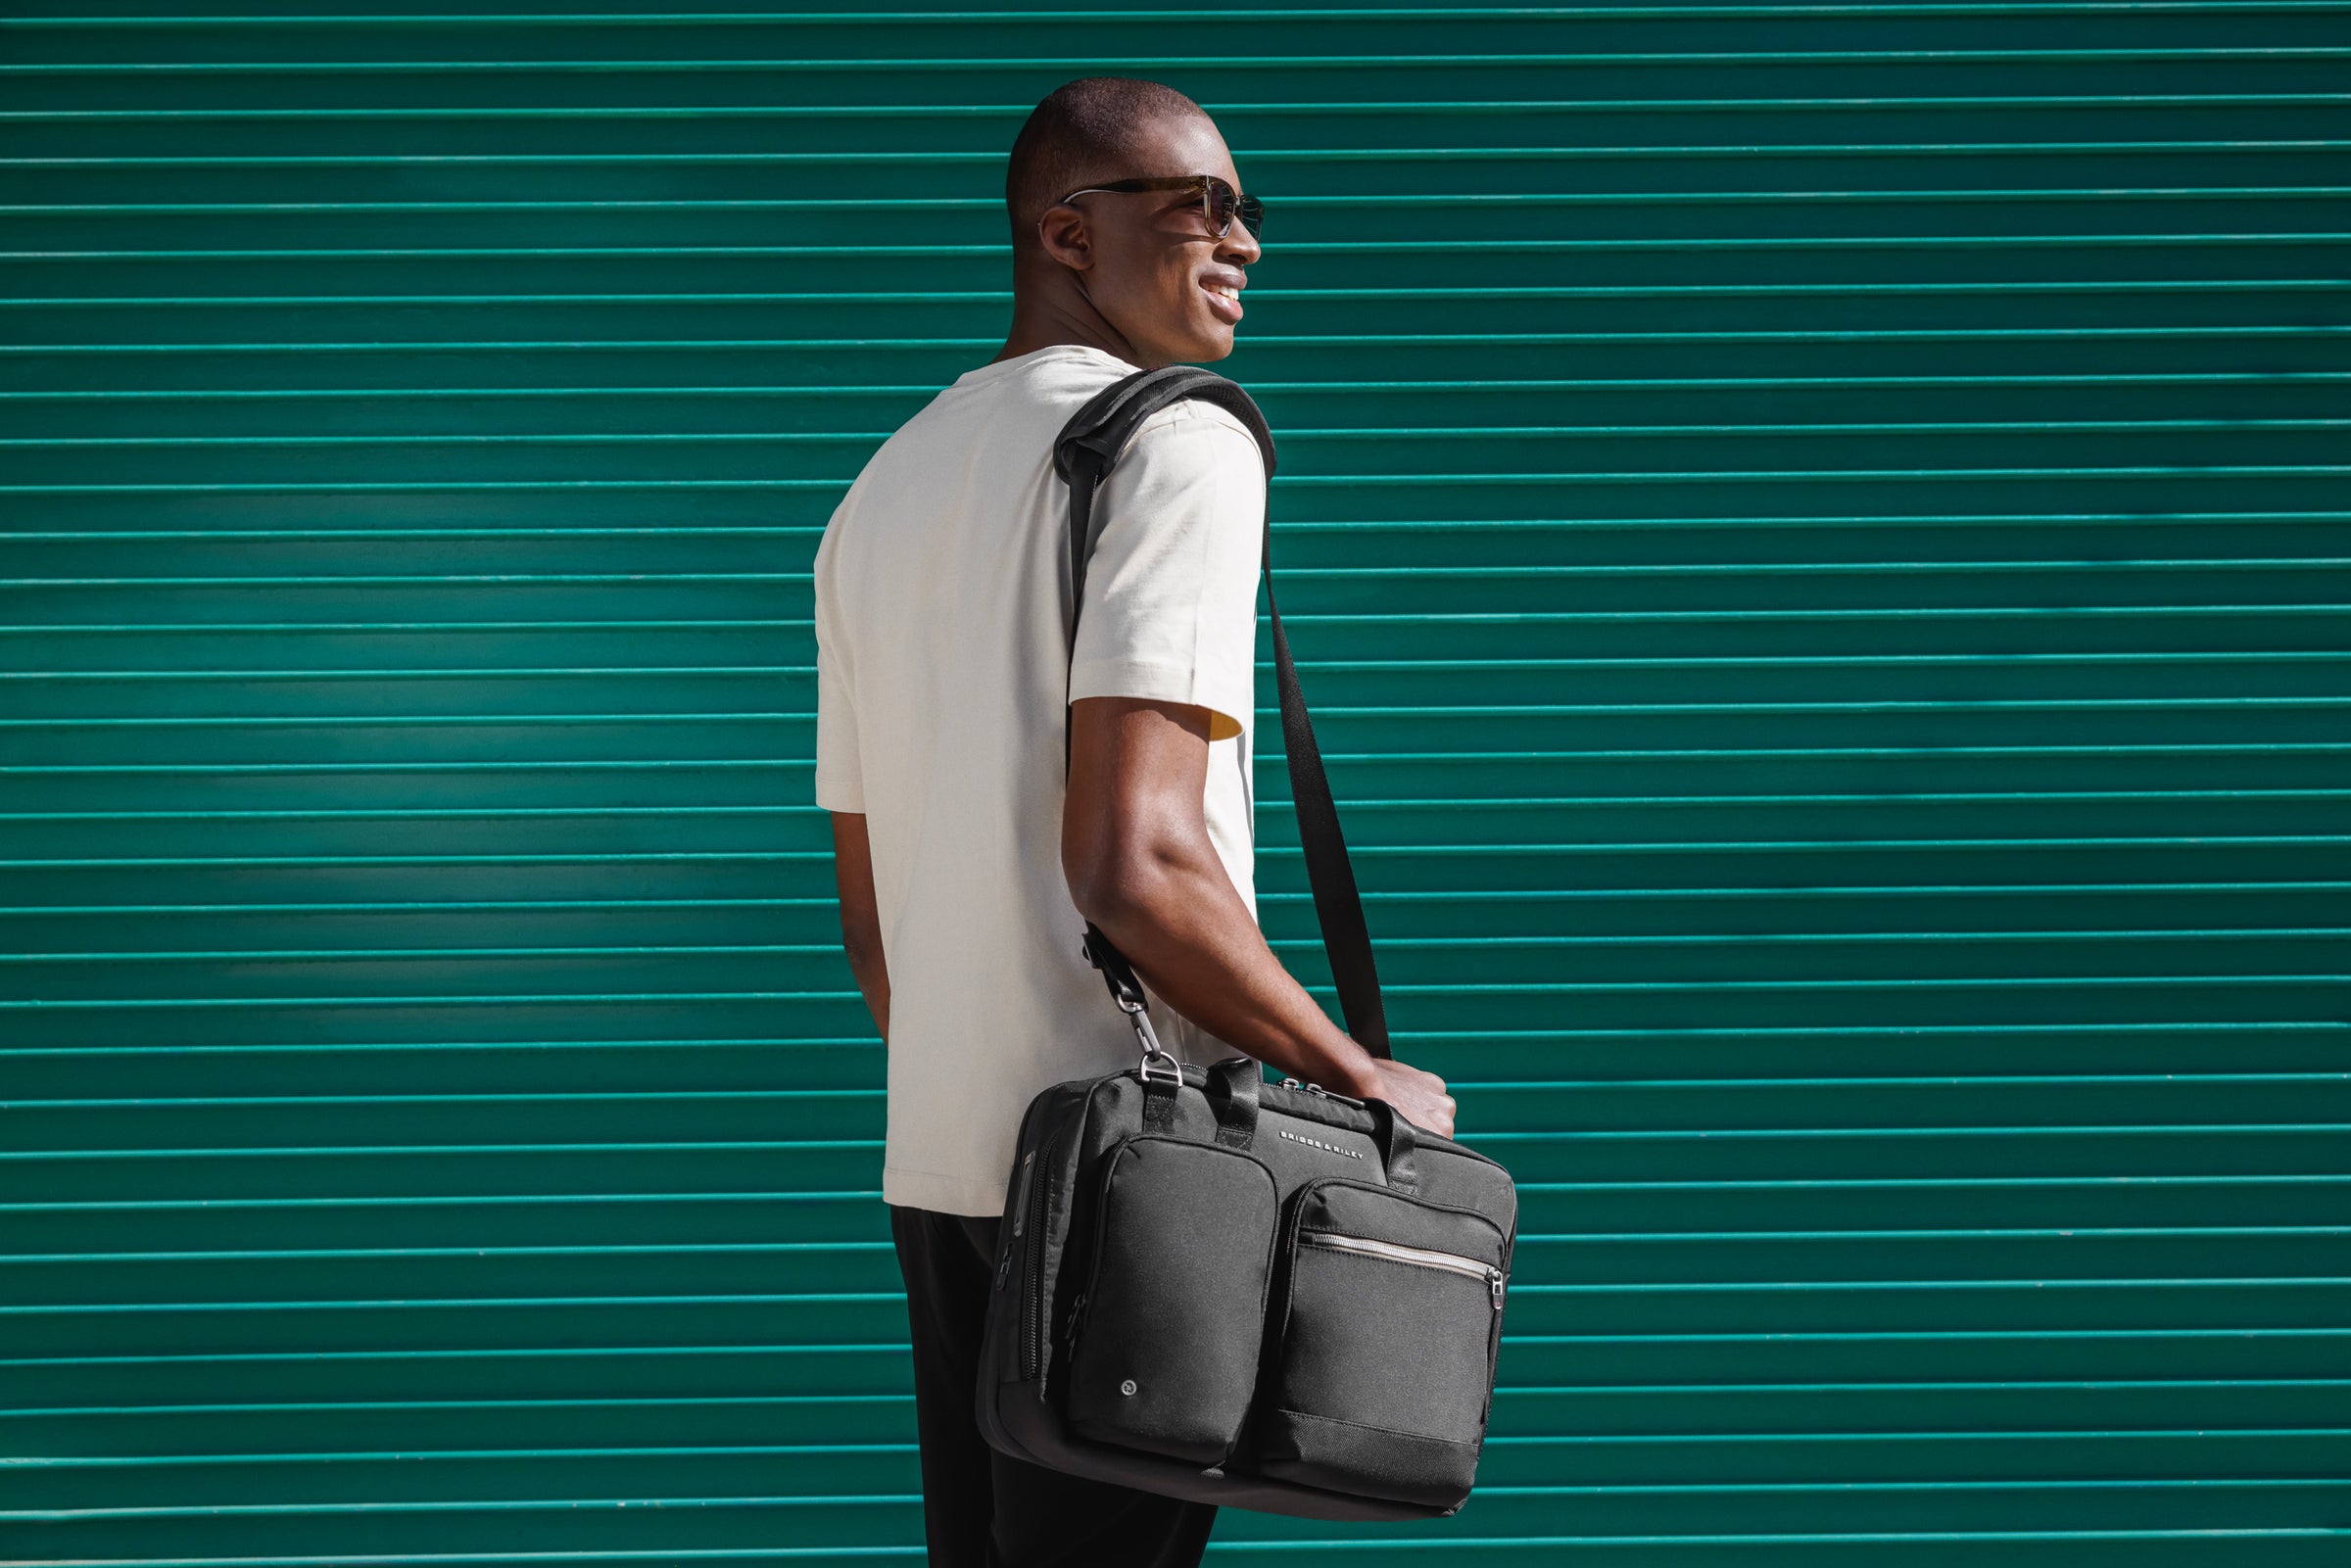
x: 1260, y: 1296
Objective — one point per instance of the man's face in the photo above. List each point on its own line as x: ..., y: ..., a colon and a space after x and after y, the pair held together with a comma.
x: 1157, y: 270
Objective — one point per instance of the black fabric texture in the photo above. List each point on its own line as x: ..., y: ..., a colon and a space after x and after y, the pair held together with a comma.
x: 1159, y: 1105
x: 1318, y: 1452
x: 982, y: 1508
x: 1368, y: 1344
x: 1329, y: 874
x: 1326, y: 1159
x: 1350, y: 1209
x: 1164, y: 1341
x: 1396, y: 1145
x: 1235, y: 1090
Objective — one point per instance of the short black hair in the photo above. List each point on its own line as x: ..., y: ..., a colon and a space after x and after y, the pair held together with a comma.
x: 1082, y: 132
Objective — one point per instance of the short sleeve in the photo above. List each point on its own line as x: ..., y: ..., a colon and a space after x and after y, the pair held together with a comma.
x: 1171, y: 595
x: 840, y: 777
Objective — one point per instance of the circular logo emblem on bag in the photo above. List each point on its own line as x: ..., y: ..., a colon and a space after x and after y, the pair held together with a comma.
x: 1127, y: 1387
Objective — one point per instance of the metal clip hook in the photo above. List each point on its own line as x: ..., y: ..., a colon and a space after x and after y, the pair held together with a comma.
x: 1149, y: 1041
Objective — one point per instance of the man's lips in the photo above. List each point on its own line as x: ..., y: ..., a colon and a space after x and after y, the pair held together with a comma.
x: 1224, y: 306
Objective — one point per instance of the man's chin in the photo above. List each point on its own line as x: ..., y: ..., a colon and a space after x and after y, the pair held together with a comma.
x: 1209, y: 347
x: 1202, y: 343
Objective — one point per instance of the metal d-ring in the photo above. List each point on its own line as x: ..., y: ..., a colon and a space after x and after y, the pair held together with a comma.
x: 1151, y: 1047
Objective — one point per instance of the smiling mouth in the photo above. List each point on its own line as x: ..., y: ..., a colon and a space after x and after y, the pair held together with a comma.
x: 1225, y: 300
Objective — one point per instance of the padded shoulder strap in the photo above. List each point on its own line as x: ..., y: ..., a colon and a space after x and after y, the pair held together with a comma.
x: 1092, y: 440
x: 1098, y: 433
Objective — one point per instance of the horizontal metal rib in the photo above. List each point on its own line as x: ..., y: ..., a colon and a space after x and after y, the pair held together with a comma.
x: 2157, y: 984
x: 1796, y: 661
x: 2252, y: 748
x: 1275, y: 851
x: 922, y: 64
x: 1012, y: 112
x: 813, y: 1252
x: 929, y: 156
x: 135, y: 957
x: 460, y: 21
x: 1466, y: 340
x: 698, y: 1196
x: 1510, y: 200
x: 1656, y: 569
x: 794, y: 1298
x: 1561, y: 291
x: 1462, y: 432
x: 1286, y: 62
x: 1562, y: 1085
x: 788, y: 1500
x: 957, y: 252
x: 2037, y: 1130
x: 724, y: 1401
x: 368, y: 721
x: 688, y: 528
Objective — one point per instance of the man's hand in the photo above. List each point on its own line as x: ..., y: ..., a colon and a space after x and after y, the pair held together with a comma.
x: 1418, y: 1097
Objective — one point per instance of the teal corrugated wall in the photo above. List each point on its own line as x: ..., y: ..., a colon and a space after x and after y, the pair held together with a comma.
x: 1819, y: 537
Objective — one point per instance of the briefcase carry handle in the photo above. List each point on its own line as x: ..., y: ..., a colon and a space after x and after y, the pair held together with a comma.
x: 1234, y: 1087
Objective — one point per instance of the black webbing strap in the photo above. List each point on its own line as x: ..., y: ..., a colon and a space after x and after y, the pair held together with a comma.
x: 1088, y: 445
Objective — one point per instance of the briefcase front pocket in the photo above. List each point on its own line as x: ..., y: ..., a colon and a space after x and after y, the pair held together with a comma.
x: 1388, y: 1319
x: 1164, y: 1338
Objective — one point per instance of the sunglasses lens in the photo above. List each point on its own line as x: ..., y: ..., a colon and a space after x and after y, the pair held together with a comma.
x: 1223, y: 205
x: 1220, y: 201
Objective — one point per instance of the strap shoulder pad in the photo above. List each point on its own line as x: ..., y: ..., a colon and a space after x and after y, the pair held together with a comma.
x: 1109, y: 417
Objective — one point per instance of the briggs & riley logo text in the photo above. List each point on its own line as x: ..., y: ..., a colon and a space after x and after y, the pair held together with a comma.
x: 1316, y: 1143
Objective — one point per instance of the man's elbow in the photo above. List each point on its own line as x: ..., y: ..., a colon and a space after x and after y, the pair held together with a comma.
x: 1121, y: 883
x: 861, y: 940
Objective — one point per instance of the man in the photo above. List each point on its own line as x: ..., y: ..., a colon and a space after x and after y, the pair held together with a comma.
x: 944, y: 681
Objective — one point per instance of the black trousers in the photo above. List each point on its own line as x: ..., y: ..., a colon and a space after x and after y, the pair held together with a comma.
x: 985, y: 1510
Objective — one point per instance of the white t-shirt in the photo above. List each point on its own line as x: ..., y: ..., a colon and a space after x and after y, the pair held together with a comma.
x: 942, y: 650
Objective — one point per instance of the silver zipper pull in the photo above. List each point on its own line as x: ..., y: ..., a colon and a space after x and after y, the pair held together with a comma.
x: 1494, y: 1283
x: 1292, y: 1083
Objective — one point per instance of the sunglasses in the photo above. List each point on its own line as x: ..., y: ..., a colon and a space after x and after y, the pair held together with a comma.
x: 1220, y: 203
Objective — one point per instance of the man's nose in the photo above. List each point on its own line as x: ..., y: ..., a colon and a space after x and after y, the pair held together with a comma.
x: 1238, y: 246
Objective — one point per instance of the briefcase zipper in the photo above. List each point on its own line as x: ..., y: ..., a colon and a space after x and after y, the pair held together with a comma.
x: 1020, y: 1215
x: 1420, y: 1257
x: 1030, y: 1218
x: 1328, y: 1094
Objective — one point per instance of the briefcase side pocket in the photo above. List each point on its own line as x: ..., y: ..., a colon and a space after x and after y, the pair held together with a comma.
x: 1386, y: 1323
x: 1166, y: 1335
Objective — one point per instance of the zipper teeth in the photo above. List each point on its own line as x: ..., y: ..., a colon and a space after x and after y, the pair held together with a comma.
x: 1035, y: 1267
x: 1395, y: 1251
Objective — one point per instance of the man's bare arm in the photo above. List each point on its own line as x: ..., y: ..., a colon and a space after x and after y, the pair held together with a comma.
x: 860, y: 921
x: 1136, y: 849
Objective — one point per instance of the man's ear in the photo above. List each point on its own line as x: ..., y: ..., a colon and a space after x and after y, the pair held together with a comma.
x: 1062, y: 235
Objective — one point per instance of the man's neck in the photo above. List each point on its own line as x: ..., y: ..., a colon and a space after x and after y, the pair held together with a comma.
x: 1057, y: 314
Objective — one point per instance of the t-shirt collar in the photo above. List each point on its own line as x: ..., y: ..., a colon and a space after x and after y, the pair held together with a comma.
x: 1034, y: 357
